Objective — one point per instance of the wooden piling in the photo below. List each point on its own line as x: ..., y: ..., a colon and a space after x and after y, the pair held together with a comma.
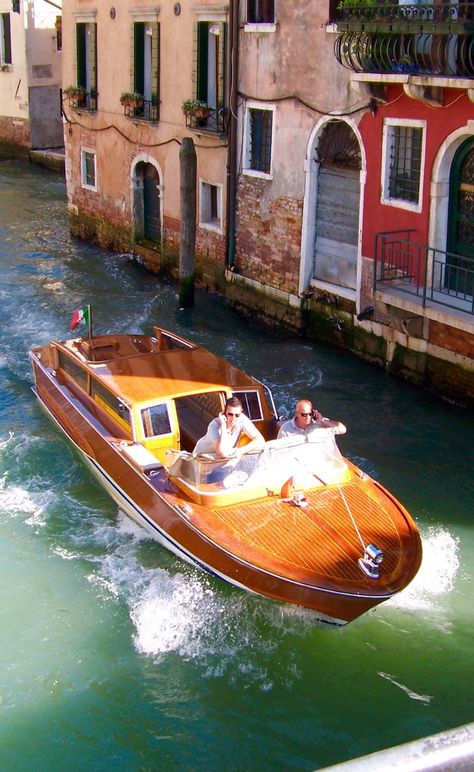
x: 187, y: 248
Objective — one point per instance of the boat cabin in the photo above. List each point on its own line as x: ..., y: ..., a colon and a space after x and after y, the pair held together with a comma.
x: 157, y: 391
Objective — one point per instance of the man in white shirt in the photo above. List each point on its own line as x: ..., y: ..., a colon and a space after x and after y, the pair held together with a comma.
x: 224, y: 432
x: 307, y: 420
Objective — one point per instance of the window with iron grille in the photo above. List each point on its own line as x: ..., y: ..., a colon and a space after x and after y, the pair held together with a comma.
x: 5, y: 39
x: 404, y: 151
x: 259, y: 139
x: 146, y: 67
x: 260, y: 12
x: 86, y: 60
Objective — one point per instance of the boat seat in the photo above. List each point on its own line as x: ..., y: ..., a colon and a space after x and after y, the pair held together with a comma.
x: 194, y: 415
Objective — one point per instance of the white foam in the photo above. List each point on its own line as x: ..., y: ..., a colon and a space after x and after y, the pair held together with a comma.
x: 437, y: 575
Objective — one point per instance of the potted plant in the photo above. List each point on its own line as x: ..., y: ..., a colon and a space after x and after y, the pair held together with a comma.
x: 76, y: 95
x: 131, y: 99
x: 196, y: 108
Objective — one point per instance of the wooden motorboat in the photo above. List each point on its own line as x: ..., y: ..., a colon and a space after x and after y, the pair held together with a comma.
x: 295, y: 521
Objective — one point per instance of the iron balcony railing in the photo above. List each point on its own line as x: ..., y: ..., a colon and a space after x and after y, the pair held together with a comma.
x: 86, y: 101
x: 214, y: 123
x: 436, y: 276
x: 423, y: 54
x: 148, y: 110
x: 395, y: 16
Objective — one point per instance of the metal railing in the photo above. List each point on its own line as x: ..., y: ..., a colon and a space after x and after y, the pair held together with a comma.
x: 214, y: 123
x: 390, y: 15
x: 86, y: 101
x: 423, y: 54
x: 148, y: 110
x: 436, y: 276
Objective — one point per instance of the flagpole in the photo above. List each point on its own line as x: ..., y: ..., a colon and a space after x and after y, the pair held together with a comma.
x: 89, y: 316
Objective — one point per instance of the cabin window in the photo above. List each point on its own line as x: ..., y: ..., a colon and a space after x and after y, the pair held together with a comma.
x: 111, y: 404
x: 250, y: 404
x: 75, y: 371
x: 156, y: 421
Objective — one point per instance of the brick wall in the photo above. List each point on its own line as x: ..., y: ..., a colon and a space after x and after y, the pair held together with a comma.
x: 268, y: 235
x: 14, y: 136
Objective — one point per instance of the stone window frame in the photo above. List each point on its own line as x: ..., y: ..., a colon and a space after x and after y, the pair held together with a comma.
x: 205, y: 220
x: 390, y: 124
x: 88, y: 151
x: 247, y: 169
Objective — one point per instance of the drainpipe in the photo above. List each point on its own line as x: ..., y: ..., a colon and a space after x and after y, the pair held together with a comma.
x: 232, y: 151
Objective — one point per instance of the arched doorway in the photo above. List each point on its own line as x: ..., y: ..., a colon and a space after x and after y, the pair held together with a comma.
x: 459, y: 272
x: 337, y: 206
x: 147, y: 205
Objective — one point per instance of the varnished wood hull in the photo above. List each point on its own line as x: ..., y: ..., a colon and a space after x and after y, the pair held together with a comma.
x: 269, y: 547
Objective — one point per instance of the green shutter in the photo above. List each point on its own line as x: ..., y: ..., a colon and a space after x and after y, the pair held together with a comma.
x: 202, y: 59
x: 92, y: 63
x: 7, y: 42
x: 222, y: 65
x: 139, y: 57
x: 81, y: 79
x: 155, y: 63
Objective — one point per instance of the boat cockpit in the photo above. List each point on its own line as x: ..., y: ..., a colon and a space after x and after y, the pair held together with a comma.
x: 312, y: 462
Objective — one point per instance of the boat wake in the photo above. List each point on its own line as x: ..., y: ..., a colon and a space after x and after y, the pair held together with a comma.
x: 436, y: 577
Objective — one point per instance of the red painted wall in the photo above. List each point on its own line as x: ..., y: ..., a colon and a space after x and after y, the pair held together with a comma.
x: 440, y: 123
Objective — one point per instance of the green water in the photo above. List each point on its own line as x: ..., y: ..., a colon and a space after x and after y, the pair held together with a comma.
x: 116, y: 655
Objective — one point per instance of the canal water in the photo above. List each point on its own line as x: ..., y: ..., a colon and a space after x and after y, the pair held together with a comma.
x: 116, y: 655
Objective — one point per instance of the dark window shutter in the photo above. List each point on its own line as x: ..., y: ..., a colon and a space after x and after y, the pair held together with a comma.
x: 81, y: 54
x: 7, y: 42
x: 139, y: 57
x: 155, y: 63
x: 202, y: 59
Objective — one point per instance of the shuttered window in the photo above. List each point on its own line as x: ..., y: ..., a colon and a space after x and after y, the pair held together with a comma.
x: 145, y: 68
x: 86, y: 59
x: 5, y: 39
x: 210, y: 63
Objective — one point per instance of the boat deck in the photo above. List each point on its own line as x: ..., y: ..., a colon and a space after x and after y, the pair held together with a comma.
x: 318, y: 542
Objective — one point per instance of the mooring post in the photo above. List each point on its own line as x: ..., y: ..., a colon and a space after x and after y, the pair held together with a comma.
x: 187, y: 247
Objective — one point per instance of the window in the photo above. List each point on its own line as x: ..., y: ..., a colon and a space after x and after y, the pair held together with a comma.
x: 112, y: 405
x: 403, y: 152
x: 250, y: 404
x: 209, y: 72
x: 5, y: 39
x: 75, y: 371
x: 258, y: 142
x: 88, y: 169
x: 210, y: 205
x: 86, y: 61
x: 146, y: 68
x: 260, y: 12
x: 156, y: 421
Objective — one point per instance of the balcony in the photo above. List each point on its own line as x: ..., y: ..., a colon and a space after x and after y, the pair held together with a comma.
x: 213, y: 123
x: 81, y: 100
x: 429, y: 40
x: 147, y: 110
x: 392, y: 16
x: 431, y: 275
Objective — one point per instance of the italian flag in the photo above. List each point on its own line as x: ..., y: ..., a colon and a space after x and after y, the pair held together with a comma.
x: 80, y: 316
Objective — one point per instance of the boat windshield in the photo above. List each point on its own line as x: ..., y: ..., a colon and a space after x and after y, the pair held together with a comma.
x: 312, y: 461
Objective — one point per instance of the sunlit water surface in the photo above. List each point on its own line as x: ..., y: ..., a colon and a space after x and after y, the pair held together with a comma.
x: 116, y: 655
